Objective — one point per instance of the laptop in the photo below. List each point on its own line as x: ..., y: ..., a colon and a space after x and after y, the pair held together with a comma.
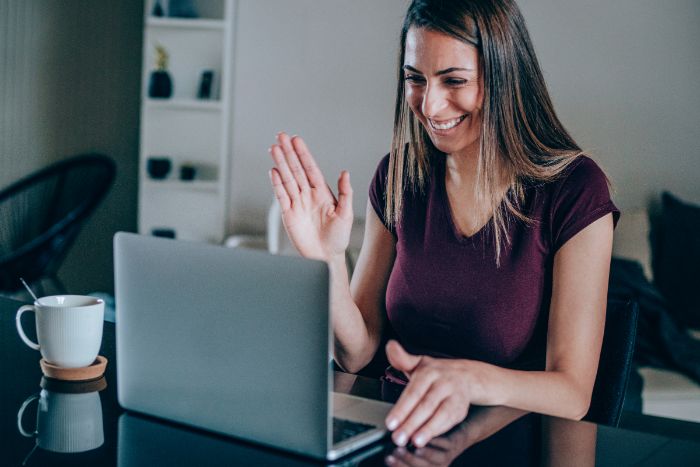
x: 234, y: 341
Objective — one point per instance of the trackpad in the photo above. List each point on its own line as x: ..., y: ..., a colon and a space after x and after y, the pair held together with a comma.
x: 360, y: 409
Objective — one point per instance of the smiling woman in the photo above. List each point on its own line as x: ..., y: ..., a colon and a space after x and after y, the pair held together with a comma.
x: 441, y: 95
x: 488, y: 233
x: 503, y: 95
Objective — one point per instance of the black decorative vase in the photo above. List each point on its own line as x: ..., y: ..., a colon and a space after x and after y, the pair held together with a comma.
x: 157, y: 9
x: 158, y: 167
x: 160, y: 85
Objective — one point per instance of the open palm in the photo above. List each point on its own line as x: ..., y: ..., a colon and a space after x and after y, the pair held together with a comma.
x: 317, y: 223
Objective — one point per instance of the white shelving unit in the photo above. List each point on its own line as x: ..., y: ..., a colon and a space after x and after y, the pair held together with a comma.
x: 185, y: 129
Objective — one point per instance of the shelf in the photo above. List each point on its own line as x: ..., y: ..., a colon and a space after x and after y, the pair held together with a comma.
x: 183, y: 128
x: 194, y: 185
x: 185, y: 23
x: 184, y: 104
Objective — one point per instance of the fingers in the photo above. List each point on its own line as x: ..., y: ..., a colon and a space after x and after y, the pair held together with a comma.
x: 418, y: 404
x: 436, y: 414
x: 313, y: 173
x: 287, y: 179
x: 279, y: 190
x: 292, y: 160
x: 410, y: 397
x: 297, y: 172
x: 344, y: 208
x: 444, y: 418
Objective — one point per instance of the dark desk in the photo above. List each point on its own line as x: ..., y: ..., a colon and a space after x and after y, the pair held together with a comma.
x: 132, y: 440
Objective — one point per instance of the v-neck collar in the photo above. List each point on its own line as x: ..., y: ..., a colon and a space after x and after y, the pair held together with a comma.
x: 441, y: 187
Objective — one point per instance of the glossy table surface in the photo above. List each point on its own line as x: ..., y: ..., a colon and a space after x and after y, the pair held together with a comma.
x: 46, y: 423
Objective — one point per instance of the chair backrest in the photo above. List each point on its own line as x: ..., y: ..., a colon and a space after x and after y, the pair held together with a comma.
x: 615, y: 363
x: 42, y: 214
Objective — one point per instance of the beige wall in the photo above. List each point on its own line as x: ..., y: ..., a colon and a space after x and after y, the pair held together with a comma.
x: 623, y: 76
x: 69, y: 83
x: 324, y: 69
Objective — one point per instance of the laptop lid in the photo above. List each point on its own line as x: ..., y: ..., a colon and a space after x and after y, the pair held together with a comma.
x: 230, y: 340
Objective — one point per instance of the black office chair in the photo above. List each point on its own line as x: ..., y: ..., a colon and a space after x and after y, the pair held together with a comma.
x: 42, y: 214
x: 615, y: 363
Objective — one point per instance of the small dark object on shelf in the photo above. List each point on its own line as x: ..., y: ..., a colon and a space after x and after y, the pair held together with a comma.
x: 205, y: 83
x: 157, y: 9
x: 160, y: 86
x: 158, y: 167
x: 163, y: 232
x: 187, y: 172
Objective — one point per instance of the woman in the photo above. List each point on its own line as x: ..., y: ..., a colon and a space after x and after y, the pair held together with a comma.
x: 488, y: 234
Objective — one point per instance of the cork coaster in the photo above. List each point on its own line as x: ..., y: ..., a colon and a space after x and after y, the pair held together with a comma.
x: 85, y: 373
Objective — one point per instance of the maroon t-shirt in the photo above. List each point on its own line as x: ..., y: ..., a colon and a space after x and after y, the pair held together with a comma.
x: 447, y: 298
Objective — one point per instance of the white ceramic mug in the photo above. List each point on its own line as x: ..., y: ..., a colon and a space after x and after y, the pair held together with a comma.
x: 68, y: 328
x: 66, y: 423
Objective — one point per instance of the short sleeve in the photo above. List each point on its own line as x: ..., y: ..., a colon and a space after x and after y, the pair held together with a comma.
x: 377, y: 189
x: 581, y: 198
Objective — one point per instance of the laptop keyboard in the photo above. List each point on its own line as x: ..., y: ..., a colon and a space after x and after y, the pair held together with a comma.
x: 344, y: 429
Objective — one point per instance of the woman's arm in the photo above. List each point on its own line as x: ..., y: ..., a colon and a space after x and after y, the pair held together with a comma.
x: 319, y: 226
x: 440, y: 391
x: 359, y: 310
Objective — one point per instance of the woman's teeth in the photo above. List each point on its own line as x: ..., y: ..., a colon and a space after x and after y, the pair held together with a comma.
x: 446, y: 125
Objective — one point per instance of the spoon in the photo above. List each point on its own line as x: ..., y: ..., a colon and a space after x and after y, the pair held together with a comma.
x: 26, y: 286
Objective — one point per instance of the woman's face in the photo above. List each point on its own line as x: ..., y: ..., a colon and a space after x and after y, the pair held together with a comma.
x: 444, y: 88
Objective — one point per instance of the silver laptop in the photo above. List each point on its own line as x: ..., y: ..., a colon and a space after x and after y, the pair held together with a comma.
x: 234, y: 341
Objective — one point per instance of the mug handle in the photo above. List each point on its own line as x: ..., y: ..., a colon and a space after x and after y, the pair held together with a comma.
x: 25, y: 404
x: 18, y: 322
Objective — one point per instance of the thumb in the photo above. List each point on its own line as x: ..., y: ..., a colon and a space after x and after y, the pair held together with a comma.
x: 400, y: 359
x: 344, y: 208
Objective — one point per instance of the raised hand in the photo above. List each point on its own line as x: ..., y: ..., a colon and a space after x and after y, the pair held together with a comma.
x: 317, y: 223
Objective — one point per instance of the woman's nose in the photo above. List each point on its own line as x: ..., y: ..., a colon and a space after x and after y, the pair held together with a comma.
x: 434, y: 100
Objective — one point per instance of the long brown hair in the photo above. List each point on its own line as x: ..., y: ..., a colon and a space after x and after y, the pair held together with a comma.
x: 522, y: 140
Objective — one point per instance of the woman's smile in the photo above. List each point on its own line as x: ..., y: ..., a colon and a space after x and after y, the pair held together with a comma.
x: 444, y: 127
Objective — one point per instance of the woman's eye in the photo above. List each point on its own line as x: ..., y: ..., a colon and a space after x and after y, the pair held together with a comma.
x: 455, y: 81
x: 414, y: 79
